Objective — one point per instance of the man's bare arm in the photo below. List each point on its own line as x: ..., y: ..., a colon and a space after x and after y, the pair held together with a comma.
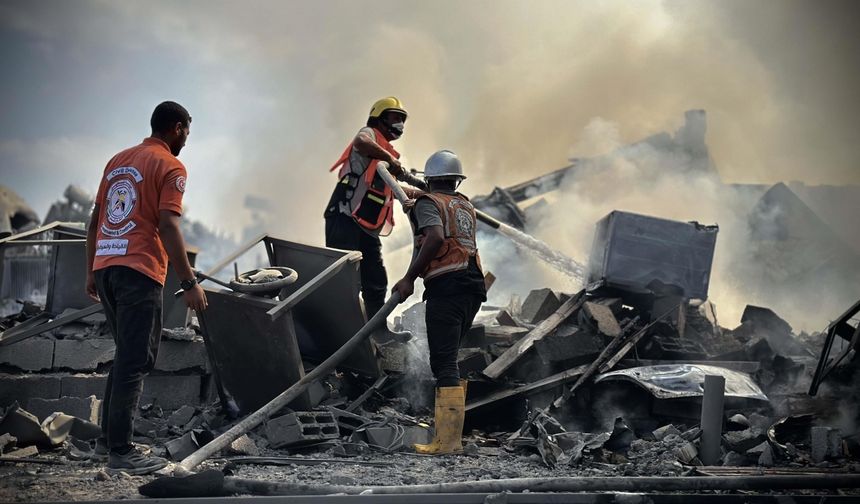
x: 174, y: 244
x: 366, y: 146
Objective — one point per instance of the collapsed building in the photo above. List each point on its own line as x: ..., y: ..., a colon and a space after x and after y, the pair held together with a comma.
x: 632, y: 375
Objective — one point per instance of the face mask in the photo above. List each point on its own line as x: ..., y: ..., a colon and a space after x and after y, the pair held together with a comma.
x: 396, y: 129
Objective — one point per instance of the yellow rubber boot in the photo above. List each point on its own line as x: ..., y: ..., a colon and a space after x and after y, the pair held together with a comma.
x: 450, y: 415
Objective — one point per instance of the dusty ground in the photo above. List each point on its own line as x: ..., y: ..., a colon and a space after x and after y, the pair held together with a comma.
x: 75, y: 481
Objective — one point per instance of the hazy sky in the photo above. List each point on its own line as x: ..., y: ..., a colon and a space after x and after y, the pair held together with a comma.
x: 277, y: 89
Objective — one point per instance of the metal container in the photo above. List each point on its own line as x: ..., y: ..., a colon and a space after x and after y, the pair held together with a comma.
x: 630, y: 251
x: 254, y: 357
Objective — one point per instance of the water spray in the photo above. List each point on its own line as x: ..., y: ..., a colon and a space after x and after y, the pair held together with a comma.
x: 540, y: 249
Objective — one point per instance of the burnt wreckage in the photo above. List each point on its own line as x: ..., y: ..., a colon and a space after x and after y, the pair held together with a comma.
x: 630, y: 376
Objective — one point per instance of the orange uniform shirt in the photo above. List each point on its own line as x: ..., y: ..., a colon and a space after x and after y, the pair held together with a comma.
x: 137, y: 184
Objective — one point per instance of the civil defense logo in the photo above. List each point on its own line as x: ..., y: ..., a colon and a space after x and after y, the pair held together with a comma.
x: 121, y: 199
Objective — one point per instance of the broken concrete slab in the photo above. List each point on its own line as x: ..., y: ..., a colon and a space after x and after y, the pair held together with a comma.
x: 182, y: 416
x: 539, y: 304
x: 59, y: 426
x: 666, y: 430
x: 686, y: 453
x: 743, y: 440
x: 504, y: 318
x: 25, y: 427
x: 173, y: 391
x: 21, y: 387
x: 83, y: 355
x: 506, y: 335
x: 7, y: 442
x: 34, y: 354
x: 182, y: 355
x: 83, y: 385
x: 27, y: 451
x: 604, y: 318
x: 244, y: 445
x: 764, y: 453
x: 85, y: 408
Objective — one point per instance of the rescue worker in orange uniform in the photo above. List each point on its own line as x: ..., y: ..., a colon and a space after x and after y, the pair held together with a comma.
x: 361, y: 206
x: 446, y: 257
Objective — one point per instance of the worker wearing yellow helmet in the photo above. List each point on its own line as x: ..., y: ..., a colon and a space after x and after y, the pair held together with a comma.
x: 360, y: 209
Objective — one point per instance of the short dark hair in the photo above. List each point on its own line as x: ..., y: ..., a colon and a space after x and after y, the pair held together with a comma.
x: 167, y: 114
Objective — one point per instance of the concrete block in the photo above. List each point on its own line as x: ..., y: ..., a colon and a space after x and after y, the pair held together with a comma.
x: 741, y: 441
x: 764, y: 452
x: 475, y: 337
x: 172, y: 391
x: 182, y: 416
x: 472, y: 360
x: 835, y: 444
x: 83, y: 385
x: 569, y: 342
x: 182, y: 355
x: 504, y: 318
x: 21, y: 388
x: 820, y: 443
x: 394, y: 357
x: 34, y: 354
x: 244, y: 446
x: 539, y: 304
x: 662, y: 432
x: 301, y: 427
x: 84, y: 354
x: 85, y: 408
x: 605, y: 319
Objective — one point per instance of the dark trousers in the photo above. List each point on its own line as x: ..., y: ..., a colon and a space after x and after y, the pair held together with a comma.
x: 448, y: 320
x: 342, y: 232
x: 132, y: 303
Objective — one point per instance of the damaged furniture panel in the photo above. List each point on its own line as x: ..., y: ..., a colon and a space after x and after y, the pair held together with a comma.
x: 685, y: 380
x: 67, y: 274
x: 255, y: 358
x: 324, y: 302
x: 843, y: 328
x: 174, y: 309
x: 630, y: 251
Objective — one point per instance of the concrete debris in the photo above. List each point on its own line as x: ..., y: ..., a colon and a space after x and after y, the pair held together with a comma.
x: 604, y: 381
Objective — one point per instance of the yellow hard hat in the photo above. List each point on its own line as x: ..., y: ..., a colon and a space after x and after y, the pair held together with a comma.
x: 385, y: 104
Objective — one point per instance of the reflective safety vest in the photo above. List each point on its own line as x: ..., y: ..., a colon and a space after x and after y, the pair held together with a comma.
x: 369, y: 199
x: 459, y: 225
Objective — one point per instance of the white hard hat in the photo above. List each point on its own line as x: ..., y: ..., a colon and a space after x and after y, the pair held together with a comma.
x: 443, y: 163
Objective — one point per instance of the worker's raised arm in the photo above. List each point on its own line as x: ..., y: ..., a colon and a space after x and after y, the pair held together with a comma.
x: 367, y: 146
x: 171, y: 237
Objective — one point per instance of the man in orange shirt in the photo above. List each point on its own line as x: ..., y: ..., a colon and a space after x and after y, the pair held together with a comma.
x: 133, y: 231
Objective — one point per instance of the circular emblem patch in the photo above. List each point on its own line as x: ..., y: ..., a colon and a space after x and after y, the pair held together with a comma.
x: 464, y: 222
x: 180, y: 184
x: 121, y: 198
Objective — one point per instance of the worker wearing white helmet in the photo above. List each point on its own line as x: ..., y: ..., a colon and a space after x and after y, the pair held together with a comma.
x: 446, y: 257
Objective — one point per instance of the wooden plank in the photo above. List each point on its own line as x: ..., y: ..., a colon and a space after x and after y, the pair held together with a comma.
x: 513, y: 354
x: 13, y: 336
x: 303, y: 291
x: 540, y: 385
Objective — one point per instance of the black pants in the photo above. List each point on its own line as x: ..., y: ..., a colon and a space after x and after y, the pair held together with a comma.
x: 448, y: 320
x: 342, y: 232
x: 132, y: 303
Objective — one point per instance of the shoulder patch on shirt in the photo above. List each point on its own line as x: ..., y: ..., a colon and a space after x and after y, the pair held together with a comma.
x: 180, y: 184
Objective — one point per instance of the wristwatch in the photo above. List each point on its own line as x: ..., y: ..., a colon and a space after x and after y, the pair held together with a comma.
x: 188, y: 284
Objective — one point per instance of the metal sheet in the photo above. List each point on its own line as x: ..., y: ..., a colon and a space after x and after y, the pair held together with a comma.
x: 672, y: 381
x: 331, y: 314
x: 255, y: 357
x: 175, y: 311
x: 67, y: 277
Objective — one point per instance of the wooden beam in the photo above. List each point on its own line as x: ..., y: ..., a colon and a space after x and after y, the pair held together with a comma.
x: 513, y: 354
x: 538, y: 386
